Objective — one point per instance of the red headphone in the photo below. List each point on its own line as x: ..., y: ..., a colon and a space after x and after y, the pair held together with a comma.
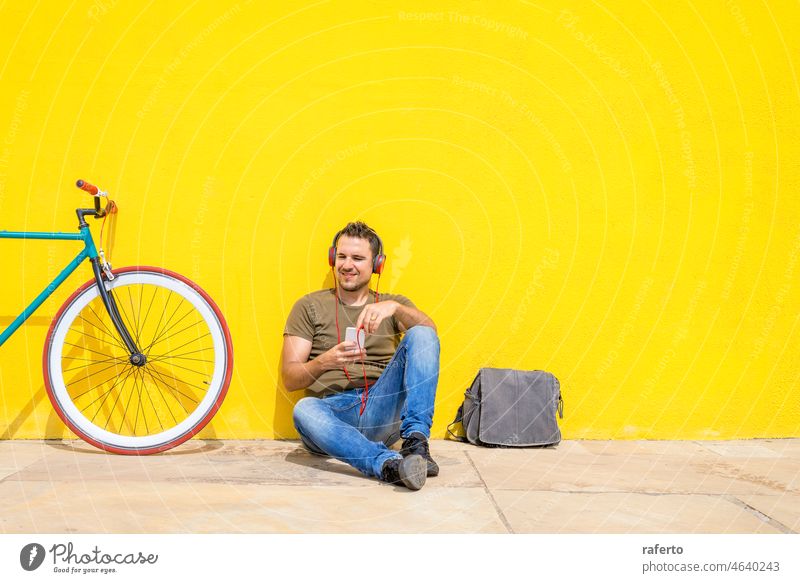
x: 377, y: 263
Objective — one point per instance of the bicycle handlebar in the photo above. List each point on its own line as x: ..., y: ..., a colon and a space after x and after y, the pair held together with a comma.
x: 96, y: 193
x: 85, y: 186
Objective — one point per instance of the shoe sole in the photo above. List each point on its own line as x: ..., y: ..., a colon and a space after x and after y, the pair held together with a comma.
x: 413, y: 472
x: 433, y: 470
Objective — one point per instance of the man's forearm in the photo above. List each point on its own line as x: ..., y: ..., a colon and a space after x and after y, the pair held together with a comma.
x: 301, y: 375
x: 410, y: 317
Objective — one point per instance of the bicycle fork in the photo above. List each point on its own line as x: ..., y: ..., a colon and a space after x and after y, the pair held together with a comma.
x: 137, y: 358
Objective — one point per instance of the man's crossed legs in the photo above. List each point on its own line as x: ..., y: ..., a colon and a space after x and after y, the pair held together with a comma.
x: 399, y: 404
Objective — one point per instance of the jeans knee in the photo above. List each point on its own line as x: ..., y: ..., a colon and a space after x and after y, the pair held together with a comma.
x: 303, y: 415
x: 422, y: 333
x: 303, y: 411
x: 422, y: 340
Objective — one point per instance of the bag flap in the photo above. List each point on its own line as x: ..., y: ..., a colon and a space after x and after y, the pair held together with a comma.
x: 518, y: 408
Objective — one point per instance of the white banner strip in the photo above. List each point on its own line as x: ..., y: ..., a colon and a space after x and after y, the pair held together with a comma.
x: 386, y: 558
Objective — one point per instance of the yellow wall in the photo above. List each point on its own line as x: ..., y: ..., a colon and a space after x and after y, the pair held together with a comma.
x: 608, y: 191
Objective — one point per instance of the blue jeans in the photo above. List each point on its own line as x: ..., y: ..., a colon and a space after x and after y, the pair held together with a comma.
x: 398, y: 404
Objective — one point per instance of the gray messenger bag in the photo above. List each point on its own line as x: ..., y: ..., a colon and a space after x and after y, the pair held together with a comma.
x: 511, y: 408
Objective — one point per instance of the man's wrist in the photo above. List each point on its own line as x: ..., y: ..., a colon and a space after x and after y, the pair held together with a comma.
x: 398, y: 309
x: 316, y: 366
x: 403, y: 315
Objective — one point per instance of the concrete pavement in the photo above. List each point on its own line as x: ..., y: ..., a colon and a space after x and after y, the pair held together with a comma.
x: 749, y: 486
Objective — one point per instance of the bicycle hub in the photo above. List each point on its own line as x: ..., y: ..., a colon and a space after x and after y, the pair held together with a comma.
x: 138, y: 359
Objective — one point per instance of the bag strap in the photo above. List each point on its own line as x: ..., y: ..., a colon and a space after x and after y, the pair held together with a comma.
x: 458, y: 419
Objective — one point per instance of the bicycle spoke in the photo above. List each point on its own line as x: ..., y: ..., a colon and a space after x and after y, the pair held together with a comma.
x: 197, y: 372
x: 149, y: 307
x: 89, y: 349
x: 113, y: 334
x: 127, y: 405
x: 157, y: 356
x: 119, y: 394
x: 187, y: 343
x: 86, y: 377
x: 177, y: 380
x: 155, y: 380
x: 153, y: 405
x: 165, y: 359
x: 164, y: 374
x: 135, y: 321
x: 110, y: 358
x: 160, y: 318
x: 86, y: 334
x: 106, y: 394
x: 140, y: 405
x: 138, y: 390
x: 160, y: 392
x: 100, y: 384
x: 166, y: 328
x: 126, y: 320
x: 93, y: 362
x: 178, y: 321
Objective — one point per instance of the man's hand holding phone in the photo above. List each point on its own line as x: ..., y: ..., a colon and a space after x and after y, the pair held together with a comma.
x: 356, y: 336
x: 346, y: 352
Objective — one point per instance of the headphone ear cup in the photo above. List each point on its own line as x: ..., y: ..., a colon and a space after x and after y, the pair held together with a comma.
x: 332, y: 256
x: 378, y: 264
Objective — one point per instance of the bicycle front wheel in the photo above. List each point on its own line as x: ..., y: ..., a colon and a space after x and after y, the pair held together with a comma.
x: 124, y: 408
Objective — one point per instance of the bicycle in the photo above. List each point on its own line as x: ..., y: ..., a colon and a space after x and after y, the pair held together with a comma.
x: 139, y: 359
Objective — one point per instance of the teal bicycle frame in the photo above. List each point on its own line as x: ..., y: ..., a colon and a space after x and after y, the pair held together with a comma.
x: 89, y: 251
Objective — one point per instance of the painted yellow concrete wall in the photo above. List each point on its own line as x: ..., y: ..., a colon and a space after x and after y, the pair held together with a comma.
x: 605, y: 190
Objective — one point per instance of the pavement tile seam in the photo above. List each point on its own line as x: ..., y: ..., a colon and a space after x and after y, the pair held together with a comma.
x: 636, y: 492
x: 757, y: 513
x: 497, y: 509
x: 683, y: 514
x: 600, y: 490
x: 10, y: 477
x: 730, y: 470
x: 750, y: 510
x: 4, y: 478
x: 746, y: 448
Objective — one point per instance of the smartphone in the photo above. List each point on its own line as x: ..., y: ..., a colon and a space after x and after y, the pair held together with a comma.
x: 350, y: 336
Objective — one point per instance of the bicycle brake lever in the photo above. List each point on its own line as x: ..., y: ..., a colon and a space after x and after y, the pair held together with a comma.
x: 109, y: 209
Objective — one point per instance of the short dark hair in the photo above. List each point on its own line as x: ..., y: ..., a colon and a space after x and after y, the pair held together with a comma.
x: 361, y: 230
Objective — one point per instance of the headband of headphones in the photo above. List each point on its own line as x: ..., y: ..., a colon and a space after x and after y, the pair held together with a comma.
x: 377, y: 262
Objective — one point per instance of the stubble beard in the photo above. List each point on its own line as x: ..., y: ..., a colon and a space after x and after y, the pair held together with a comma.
x: 353, y: 285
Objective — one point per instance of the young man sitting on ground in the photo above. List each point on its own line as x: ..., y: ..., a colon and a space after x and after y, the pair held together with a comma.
x: 369, y: 396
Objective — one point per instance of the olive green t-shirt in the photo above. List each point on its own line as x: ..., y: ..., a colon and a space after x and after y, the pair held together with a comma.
x: 313, y: 317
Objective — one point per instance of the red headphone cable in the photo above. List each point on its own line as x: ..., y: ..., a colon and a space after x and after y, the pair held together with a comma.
x: 339, y: 339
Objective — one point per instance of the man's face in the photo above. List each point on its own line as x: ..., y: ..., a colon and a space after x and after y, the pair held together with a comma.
x: 353, y: 263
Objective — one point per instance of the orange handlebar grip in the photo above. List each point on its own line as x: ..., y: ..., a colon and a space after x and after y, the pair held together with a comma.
x: 90, y: 188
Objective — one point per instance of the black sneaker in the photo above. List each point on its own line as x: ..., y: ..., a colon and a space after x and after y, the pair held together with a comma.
x: 417, y: 444
x: 408, y: 471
